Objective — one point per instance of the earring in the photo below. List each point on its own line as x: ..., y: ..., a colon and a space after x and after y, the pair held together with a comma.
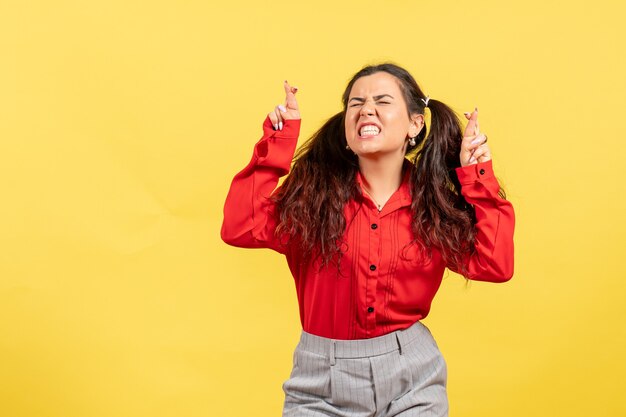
x: 412, y: 141
x: 347, y: 147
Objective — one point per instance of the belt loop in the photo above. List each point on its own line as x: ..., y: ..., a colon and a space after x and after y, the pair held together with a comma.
x: 332, y: 353
x: 399, y: 339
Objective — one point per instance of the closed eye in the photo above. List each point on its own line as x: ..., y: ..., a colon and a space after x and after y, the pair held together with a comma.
x: 378, y: 102
x: 376, y: 98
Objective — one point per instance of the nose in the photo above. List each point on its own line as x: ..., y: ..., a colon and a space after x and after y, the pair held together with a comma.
x: 367, y: 109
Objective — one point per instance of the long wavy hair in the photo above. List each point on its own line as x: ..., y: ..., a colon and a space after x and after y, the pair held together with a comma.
x: 310, y: 202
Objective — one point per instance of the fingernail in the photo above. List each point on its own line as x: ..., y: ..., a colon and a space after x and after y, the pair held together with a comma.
x: 466, y: 113
x: 280, y: 125
x: 472, y: 160
x: 295, y: 89
x: 282, y: 108
x: 476, y: 109
x: 275, y: 127
x: 479, y: 139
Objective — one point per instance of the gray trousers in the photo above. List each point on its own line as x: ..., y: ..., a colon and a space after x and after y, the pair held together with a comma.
x: 399, y: 374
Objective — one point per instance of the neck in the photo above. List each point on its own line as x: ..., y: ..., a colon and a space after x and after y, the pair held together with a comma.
x: 381, y: 177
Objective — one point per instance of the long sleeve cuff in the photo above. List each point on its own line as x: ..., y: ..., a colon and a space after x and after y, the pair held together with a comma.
x: 276, y: 148
x: 476, y: 178
x: 476, y: 172
x: 291, y: 129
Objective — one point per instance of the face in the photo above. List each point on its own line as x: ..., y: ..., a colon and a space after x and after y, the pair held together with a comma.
x: 377, y: 120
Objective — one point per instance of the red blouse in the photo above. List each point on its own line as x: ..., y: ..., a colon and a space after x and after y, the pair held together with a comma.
x: 382, y: 284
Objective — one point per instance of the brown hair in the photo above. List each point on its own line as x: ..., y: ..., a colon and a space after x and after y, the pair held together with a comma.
x: 310, y: 202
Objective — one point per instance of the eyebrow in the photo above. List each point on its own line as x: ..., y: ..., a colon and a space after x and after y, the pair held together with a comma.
x: 375, y: 97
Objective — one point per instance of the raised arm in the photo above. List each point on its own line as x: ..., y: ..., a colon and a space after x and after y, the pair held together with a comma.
x: 495, y: 223
x: 248, y: 212
x: 495, y: 218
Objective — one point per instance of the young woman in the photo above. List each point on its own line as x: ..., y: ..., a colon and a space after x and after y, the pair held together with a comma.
x: 374, y: 209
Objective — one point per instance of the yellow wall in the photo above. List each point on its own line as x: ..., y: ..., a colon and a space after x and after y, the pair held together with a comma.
x: 122, y: 123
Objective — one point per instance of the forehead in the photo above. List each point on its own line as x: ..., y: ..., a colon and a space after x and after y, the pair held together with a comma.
x: 375, y: 84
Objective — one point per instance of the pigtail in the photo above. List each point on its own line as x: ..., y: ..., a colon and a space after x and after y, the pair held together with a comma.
x: 309, y: 204
x: 442, y: 217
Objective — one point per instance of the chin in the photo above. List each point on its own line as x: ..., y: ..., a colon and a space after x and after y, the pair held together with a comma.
x: 367, y: 151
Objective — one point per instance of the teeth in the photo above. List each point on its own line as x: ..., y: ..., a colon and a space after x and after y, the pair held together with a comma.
x: 369, y: 130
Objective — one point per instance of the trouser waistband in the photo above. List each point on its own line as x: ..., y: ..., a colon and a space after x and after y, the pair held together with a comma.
x: 361, y: 348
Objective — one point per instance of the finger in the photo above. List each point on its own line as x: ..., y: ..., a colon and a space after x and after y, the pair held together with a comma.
x: 470, y: 143
x: 479, y: 154
x: 480, y: 139
x: 280, y: 119
x: 281, y: 110
x: 471, y: 128
x: 273, y: 119
x: 469, y: 146
x: 278, y: 111
x: 485, y: 157
x: 290, y: 96
x: 287, y: 87
x: 481, y: 151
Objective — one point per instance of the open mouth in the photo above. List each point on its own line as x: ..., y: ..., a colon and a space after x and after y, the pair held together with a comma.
x: 369, y: 131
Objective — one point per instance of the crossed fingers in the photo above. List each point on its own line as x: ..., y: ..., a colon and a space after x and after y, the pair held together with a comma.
x: 286, y: 111
x: 474, y: 147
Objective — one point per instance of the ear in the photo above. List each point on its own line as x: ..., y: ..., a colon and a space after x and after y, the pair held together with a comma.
x: 417, y: 123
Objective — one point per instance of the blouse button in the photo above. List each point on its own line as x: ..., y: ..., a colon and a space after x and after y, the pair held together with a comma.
x: 370, y: 309
x: 482, y: 171
x: 372, y: 267
x: 374, y: 226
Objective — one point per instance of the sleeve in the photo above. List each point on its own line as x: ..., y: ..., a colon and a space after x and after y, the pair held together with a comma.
x: 495, y: 222
x: 248, y: 211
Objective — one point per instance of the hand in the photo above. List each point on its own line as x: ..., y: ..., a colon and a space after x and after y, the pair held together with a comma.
x: 474, y: 147
x: 289, y: 111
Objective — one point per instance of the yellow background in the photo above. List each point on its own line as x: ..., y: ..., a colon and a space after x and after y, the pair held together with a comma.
x: 123, y: 122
